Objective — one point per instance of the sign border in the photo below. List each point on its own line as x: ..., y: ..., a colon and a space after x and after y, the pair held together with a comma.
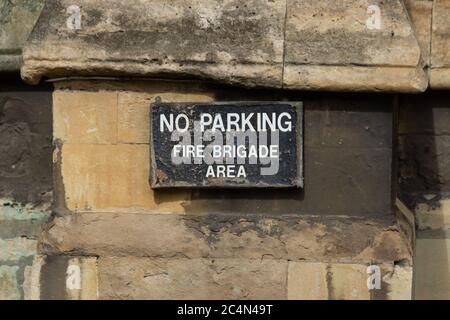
x: 299, y: 181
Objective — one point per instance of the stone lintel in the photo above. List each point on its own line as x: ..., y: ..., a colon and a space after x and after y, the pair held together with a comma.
x: 338, y: 239
x: 299, y: 45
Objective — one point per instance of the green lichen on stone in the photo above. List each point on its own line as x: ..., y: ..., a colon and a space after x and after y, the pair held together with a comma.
x: 10, y: 210
x: 17, y: 19
x: 15, y: 249
x: 9, y: 287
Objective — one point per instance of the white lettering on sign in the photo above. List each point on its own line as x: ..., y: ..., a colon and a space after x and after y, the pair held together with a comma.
x: 234, y: 122
x: 229, y: 145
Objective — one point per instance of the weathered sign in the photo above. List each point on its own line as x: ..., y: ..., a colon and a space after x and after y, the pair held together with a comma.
x: 235, y: 144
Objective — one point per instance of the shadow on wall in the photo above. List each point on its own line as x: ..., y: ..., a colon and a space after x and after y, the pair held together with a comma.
x: 424, y: 184
x: 25, y: 179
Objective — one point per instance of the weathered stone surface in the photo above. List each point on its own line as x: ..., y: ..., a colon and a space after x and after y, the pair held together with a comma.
x: 354, y: 78
x: 440, y: 53
x: 421, y: 13
x: 53, y: 277
x: 440, y: 78
x: 307, y: 281
x: 424, y: 165
x: 85, y: 117
x: 139, y: 278
x: 433, y: 214
x: 32, y: 275
x: 12, y: 250
x: 17, y: 19
x: 348, y: 282
x: 330, y: 47
x: 113, y: 178
x: 225, y: 236
x: 282, y: 43
x: 322, y: 33
x: 431, y: 267
x: 8, y: 283
x: 21, y: 220
x: 25, y: 143
x: 424, y: 170
x: 214, y: 39
x: 397, y: 282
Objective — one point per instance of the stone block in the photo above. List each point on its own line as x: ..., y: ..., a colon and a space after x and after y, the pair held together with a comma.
x: 433, y: 214
x: 113, y: 178
x: 440, y: 54
x: 224, y: 41
x: 348, y: 282
x: 148, y: 278
x: 421, y: 13
x: 399, y: 282
x: 307, y: 281
x: 85, y: 117
x: 354, y: 78
x: 9, y: 286
x: 227, y: 236
x: 319, y: 32
x: 351, y: 45
x: 26, y: 142
x: 432, y: 268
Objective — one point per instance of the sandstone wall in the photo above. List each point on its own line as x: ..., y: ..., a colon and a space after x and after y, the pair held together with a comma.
x: 133, y: 242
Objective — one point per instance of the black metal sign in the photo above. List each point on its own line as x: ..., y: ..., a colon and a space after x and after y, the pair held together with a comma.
x: 243, y: 144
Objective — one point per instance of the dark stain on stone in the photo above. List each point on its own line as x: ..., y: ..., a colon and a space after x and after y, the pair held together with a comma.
x: 53, y: 278
x: 329, y: 280
x: 25, y: 142
x: 235, y: 31
x: 424, y: 148
x: 343, y: 232
x: 22, y: 263
x: 214, y: 225
x: 59, y: 204
x: 347, y: 160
